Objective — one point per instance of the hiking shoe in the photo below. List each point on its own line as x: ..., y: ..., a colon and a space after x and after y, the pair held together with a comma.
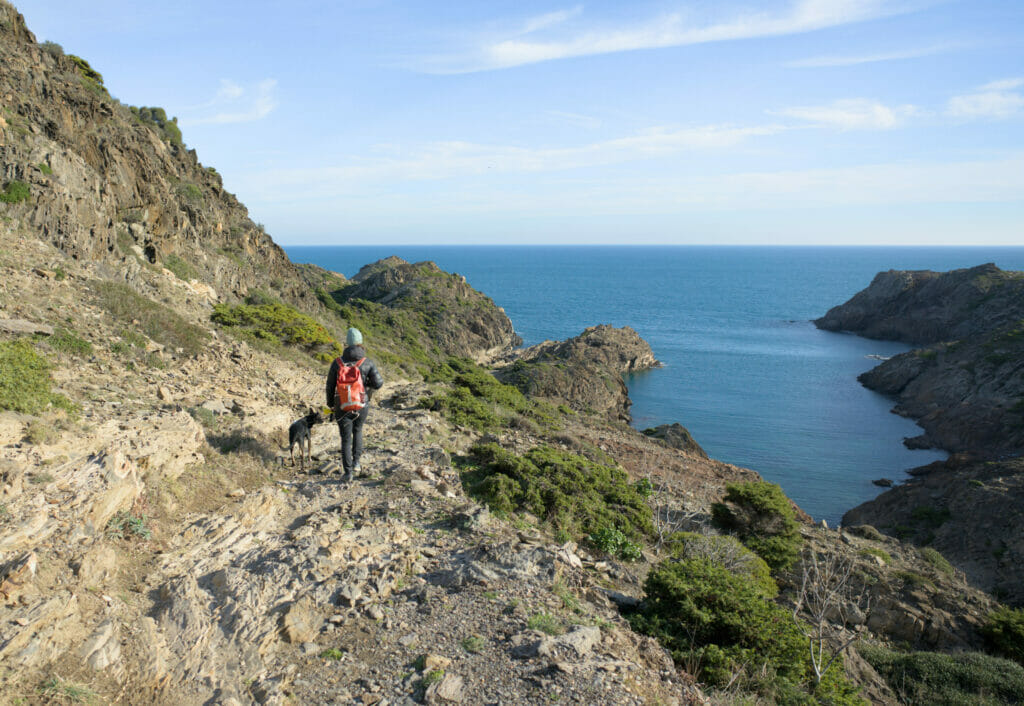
x: 347, y: 478
x: 357, y: 468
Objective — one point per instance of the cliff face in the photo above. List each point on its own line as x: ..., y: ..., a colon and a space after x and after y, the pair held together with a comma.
x: 923, y: 307
x: 966, y: 386
x: 112, y: 185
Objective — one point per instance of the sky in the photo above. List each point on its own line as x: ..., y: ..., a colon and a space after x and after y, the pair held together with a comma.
x: 790, y: 122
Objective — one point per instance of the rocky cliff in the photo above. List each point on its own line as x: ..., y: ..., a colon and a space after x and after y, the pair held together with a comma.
x: 585, y: 371
x: 965, y: 386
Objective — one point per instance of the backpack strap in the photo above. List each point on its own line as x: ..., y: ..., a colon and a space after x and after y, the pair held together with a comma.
x: 355, y: 364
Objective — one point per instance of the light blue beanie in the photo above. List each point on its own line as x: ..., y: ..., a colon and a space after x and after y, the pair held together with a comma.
x: 353, y: 337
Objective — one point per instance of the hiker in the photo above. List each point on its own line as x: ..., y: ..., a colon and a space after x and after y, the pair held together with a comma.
x: 351, y: 413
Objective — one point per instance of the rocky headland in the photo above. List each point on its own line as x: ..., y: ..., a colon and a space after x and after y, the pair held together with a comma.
x: 965, y: 386
x: 510, y: 543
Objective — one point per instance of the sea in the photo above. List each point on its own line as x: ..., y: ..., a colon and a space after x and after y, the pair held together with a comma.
x: 744, y: 369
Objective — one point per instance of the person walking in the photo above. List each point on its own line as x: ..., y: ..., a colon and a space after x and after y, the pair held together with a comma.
x: 350, y: 423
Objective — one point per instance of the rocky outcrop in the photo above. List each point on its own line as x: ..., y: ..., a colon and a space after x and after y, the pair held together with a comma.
x: 460, y: 320
x: 584, y: 371
x: 106, y: 184
x: 972, y: 513
x: 676, y: 436
x: 966, y: 387
x: 922, y: 307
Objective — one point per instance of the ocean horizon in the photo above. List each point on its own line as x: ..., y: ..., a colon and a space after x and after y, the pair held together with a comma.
x: 744, y: 369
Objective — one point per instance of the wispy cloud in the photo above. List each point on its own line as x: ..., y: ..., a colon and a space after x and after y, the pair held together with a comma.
x: 853, y: 60
x: 670, y: 30
x: 234, y: 103
x: 995, y: 100
x: 852, y: 114
x: 446, y: 160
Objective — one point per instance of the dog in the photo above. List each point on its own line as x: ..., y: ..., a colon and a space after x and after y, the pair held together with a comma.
x: 299, y: 432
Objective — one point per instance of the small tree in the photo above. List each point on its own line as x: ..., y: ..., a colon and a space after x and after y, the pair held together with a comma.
x: 825, y: 601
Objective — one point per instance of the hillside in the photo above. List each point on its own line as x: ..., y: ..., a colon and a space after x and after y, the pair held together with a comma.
x: 507, y: 543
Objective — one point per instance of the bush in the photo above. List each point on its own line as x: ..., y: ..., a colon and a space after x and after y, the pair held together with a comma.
x: 15, y: 192
x: 1004, y: 632
x: 719, y: 623
x: 567, y: 491
x: 936, y: 559
x: 265, y: 318
x: 614, y: 543
x: 962, y: 679
x: 156, y: 321
x: 481, y: 402
x: 156, y: 118
x: 727, y: 552
x: 25, y: 380
x: 762, y: 517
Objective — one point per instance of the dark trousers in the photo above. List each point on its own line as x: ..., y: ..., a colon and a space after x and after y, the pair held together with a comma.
x: 351, y: 428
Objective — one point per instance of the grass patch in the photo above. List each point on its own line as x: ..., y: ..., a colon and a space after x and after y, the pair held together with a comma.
x: 880, y: 553
x: 546, y: 623
x: 57, y: 688
x: 67, y: 341
x: 25, y: 380
x: 474, y: 644
x: 568, y: 492
x: 914, y: 580
x: 15, y: 191
x: 181, y: 269
x: 966, y: 679
x: 40, y: 432
x: 1004, y: 632
x: 155, y: 320
x: 332, y: 653
x: 935, y: 559
x: 45, y: 168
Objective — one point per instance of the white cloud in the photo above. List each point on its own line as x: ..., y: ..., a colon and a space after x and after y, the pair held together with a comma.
x: 658, y: 32
x: 551, y: 19
x: 450, y: 160
x: 854, y: 60
x: 852, y: 114
x: 235, y: 104
x: 997, y: 100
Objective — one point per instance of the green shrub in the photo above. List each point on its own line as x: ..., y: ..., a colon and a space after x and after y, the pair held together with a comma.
x: 156, y: 320
x: 69, y: 342
x: 565, y: 490
x: 45, y: 168
x: 614, y: 543
x: 764, y: 520
x: 25, y: 380
x: 181, y: 269
x: 1004, y: 632
x: 719, y: 622
x: 190, y: 192
x: 269, y: 319
x: 546, y: 623
x: 15, y: 192
x: 125, y: 525
x: 85, y: 70
x: 961, y: 679
x: 156, y: 119
x: 479, y: 401
x: 880, y: 553
x: 936, y: 559
x: 727, y: 552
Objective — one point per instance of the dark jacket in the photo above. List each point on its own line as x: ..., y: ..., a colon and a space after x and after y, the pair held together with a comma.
x: 371, y: 375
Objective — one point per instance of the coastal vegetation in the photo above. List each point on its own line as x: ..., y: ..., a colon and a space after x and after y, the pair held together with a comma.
x: 263, y: 318
x: 763, y: 518
x: 25, y: 383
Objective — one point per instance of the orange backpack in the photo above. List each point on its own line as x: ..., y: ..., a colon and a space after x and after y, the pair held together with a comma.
x: 349, y: 392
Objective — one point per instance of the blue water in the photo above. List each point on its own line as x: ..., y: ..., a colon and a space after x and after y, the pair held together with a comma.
x: 744, y: 370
